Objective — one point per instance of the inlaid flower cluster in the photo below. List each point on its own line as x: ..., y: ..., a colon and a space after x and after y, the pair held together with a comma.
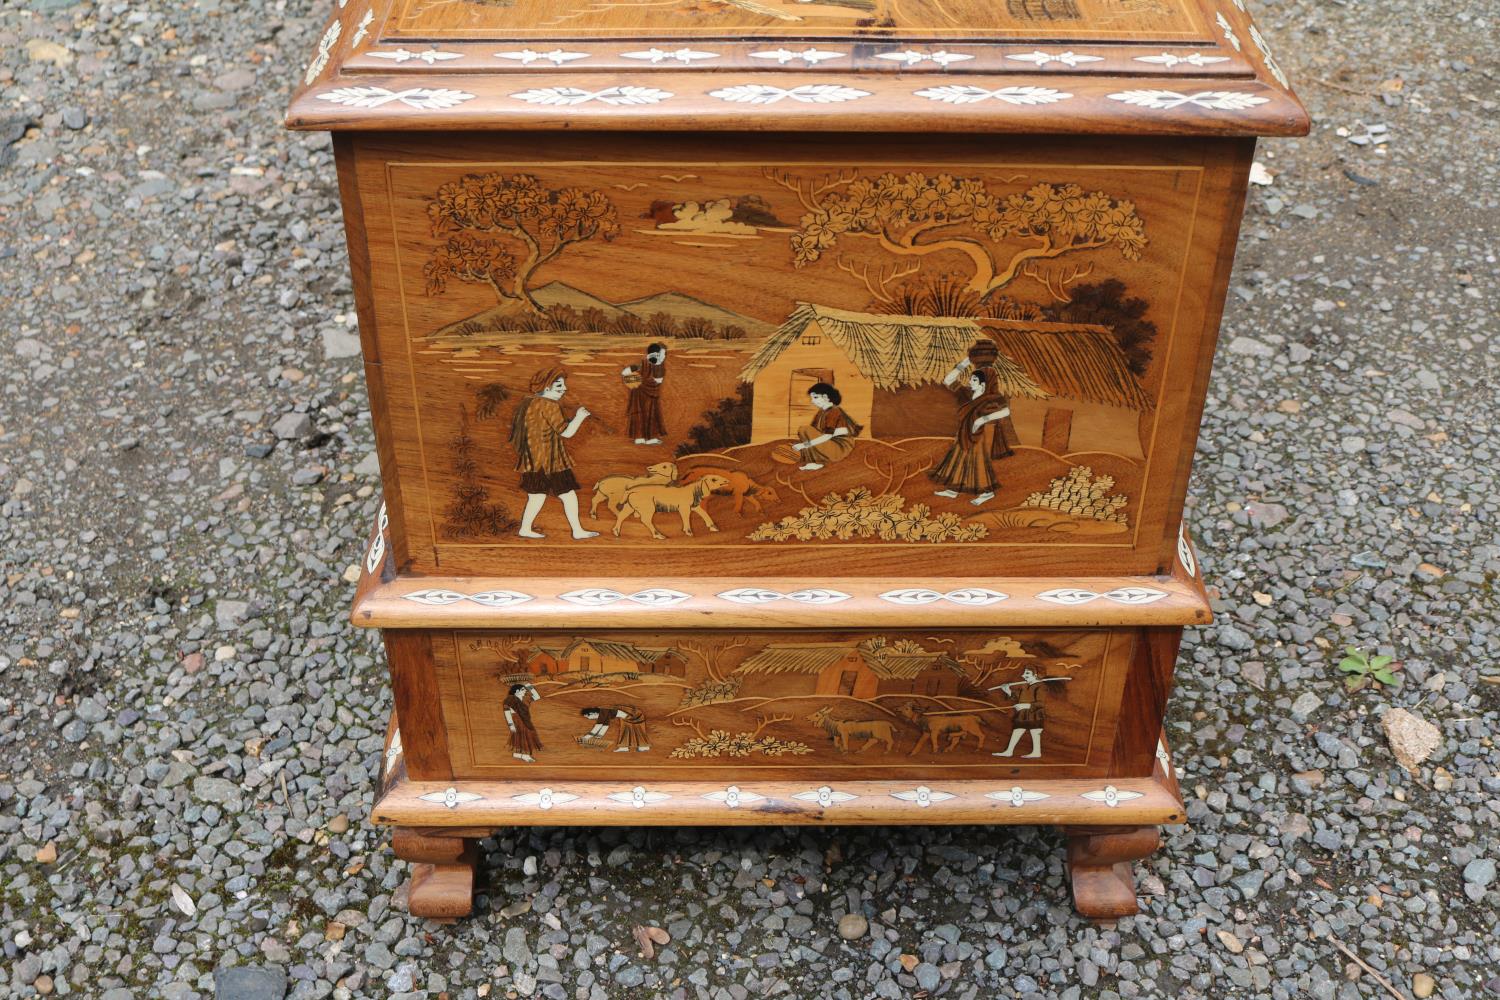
x: 861, y: 514
x: 719, y: 743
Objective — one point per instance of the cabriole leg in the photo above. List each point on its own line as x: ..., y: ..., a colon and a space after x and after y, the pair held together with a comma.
x: 1099, y: 867
x: 442, y: 877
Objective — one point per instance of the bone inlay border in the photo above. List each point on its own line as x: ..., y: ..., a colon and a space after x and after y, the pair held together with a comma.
x: 737, y: 797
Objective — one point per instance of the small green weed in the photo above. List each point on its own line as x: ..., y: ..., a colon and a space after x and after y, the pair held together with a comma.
x: 1366, y: 670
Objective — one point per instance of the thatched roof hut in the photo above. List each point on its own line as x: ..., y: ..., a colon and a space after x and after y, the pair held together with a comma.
x: 892, y: 352
x: 862, y: 671
x: 1073, y: 360
x: 1070, y: 385
x: 905, y: 666
x: 618, y: 650
x: 812, y: 658
x: 808, y: 658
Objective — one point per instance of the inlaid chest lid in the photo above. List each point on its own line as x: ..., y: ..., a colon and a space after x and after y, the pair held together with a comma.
x: 1085, y: 66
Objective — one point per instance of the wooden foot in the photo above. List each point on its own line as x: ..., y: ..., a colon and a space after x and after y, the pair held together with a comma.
x: 442, y: 877
x: 1099, y: 866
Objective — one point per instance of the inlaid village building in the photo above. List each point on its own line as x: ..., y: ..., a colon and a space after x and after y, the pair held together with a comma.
x: 1070, y: 385
x: 598, y: 656
x: 830, y: 668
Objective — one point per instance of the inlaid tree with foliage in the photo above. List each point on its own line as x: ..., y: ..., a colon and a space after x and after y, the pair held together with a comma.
x: 1003, y: 237
x: 501, y: 228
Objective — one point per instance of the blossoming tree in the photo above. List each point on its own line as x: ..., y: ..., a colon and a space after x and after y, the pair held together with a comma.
x: 1003, y: 237
x: 500, y: 229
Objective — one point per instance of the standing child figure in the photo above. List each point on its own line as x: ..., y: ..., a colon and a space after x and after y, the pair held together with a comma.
x: 643, y: 409
x: 537, y: 433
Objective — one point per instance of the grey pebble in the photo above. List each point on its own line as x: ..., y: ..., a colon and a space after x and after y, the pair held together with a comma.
x: 292, y: 426
x: 1305, y: 705
x: 250, y: 982
x: 516, y: 951
x: 1480, y: 872
x: 927, y: 976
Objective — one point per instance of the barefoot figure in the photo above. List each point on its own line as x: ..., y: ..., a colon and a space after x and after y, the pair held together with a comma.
x: 830, y: 436
x: 643, y: 410
x: 1030, y: 716
x: 537, y: 433
x: 524, y: 742
x: 632, y: 729
x: 967, y: 468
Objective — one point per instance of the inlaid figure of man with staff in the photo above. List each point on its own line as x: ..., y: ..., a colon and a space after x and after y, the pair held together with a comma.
x: 1030, y: 717
x: 538, y: 430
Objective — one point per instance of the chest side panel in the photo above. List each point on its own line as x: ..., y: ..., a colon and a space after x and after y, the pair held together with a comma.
x: 662, y: 353
x: 691, y: 705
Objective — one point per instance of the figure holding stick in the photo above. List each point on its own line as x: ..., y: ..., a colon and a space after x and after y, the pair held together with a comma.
x: 1030, y: 716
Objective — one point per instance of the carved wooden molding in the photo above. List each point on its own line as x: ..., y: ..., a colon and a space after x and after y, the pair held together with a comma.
x: 366, y: 46
x: 477, y: 803
x: 451, y: 602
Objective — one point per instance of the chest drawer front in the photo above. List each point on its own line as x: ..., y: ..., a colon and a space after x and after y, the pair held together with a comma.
x: 692, y: 705
x: 975, y: 354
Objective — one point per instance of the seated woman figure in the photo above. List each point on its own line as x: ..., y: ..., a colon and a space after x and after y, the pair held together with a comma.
x: 830, y: 436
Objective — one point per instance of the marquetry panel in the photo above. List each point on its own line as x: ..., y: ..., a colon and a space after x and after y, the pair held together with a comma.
x: 1081, y: 287
x: 691, y: 705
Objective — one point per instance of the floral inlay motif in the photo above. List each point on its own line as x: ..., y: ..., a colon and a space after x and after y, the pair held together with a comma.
x: 922, y: 796
x: 1112, y: 796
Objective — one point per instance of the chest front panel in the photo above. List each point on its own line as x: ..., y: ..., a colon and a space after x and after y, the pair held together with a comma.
x: 691, y: 705
x: 977, y: 356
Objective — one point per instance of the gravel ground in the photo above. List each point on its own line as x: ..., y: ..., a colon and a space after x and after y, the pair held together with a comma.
x: 189, y: 730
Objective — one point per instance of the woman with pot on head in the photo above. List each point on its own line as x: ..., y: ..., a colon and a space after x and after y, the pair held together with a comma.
x: 830, y: 436
x: 967, y: 467
x: 537, y: 432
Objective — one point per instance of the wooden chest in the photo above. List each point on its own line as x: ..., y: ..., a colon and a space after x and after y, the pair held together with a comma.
x: 785, y: 408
